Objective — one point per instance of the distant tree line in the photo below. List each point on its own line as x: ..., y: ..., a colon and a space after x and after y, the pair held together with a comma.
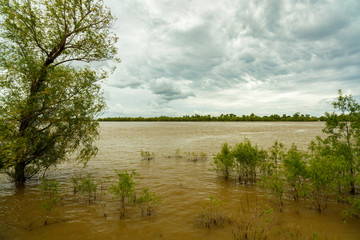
x: 223, y: 117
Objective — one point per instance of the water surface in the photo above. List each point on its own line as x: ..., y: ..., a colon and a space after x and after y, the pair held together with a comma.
x: 182, y: 184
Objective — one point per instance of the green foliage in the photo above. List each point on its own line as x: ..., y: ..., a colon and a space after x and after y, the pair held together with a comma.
x: 224, y: 162
x: 146, y: 155
x: 124, y: 190
x: 196, y: 156
x: 353, y: 210
x: 212, y: 213
x: 276, y: 156
x: 178, y: 153
x: 273, y: 178
x: 85, y: 185
x: 285, y: 171
x: 343, y: 135
x: 48, y: 108
x: 244, y: 159
x: 247, y: 160
x: 50, y: 196
x: 296, y: 172
x: 148, y: 202
x: 324, y: 178
x: 276, y: 184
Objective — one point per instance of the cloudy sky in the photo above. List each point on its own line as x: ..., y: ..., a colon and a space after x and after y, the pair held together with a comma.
x: 233, y: 56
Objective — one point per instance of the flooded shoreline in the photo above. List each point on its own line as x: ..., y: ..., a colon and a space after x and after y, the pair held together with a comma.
x: 182, y: 184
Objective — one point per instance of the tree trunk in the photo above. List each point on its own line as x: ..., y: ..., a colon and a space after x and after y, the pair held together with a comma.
x: 352, y: 185
x: 352, y: 182
x: 20, y: 174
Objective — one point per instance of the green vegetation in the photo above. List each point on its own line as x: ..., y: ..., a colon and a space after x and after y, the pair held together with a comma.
x: 324, y: 179
x: 124, y: 190
x: 339, y: 153
x: 243, y: 158
x: 146, y: 155
x: 343, y: 138
x: 224, y: 162
x: 295, y: 171
x: 247, y: 160
x: 212, y: 213
x: 85, y: 185
x: 353, y: 210
x: 50, y: 196
x: 196, y: 156
x: 222, y: 118
x: 48, y: 108
x: 178, y: 153
x: 330, y: 169
x: 148, y: 202
x: 272, y: 177
x: 191, y: 156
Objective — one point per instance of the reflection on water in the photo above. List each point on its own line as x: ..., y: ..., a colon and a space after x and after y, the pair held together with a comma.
x: 182, y: 184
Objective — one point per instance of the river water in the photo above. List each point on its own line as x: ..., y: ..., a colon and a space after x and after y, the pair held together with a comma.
x: 182, y: 184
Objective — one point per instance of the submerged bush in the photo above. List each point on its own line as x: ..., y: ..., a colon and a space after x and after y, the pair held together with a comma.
x: 196, y: 156
x: 296, y: 172
x: 252, y: 224
x: 50, y: 196
x: 353, y: 210
x: 273, y: 178
x: 124, y: 190
x: 146, y: 155
x: 148, y: 202
x: 178, y: 153
x: 243, y: 159
x: 324, y: 178
x: 247, y: 160
x: 86, y: 186
x: 275, y: 183
x: 224, y: 162
x: 212, y: 213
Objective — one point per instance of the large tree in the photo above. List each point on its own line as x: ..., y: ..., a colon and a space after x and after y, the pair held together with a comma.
x: 48, y: 105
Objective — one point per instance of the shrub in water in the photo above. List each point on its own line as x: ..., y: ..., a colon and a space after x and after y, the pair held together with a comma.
x: 85, y: 185
x: 272, y: 178
x: 247, y: 160
x: 224, y: 162
x: 296, y: 172
x: 212, y: 213
x: 146, y: 155
x: 50, y: 196
x: 194, y: 156
x: 148, y: 202
x: 123, y: 189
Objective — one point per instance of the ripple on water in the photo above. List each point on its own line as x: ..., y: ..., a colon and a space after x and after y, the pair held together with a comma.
x: 182, y: 184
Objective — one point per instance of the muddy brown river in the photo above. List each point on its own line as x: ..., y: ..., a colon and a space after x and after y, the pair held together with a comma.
x: 183, y: 185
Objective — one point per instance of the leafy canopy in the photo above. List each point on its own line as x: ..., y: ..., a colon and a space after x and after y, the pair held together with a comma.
x: 48, y: 106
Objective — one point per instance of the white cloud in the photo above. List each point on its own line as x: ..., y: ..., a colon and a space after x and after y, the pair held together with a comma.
x: 266, y: 57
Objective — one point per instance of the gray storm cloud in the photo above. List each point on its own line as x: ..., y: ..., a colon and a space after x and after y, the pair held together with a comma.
x: 197, y: 53
x: 168, y: 89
